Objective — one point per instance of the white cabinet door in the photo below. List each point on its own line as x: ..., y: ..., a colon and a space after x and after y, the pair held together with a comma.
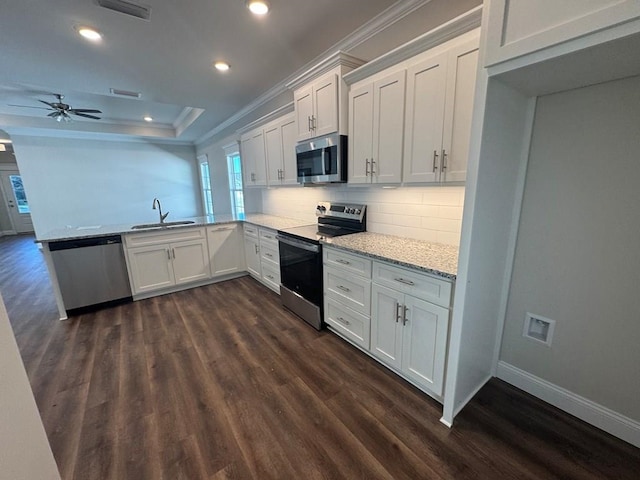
x: 252, y: 255
x: 386, y: 327
x: 226, y: 254
x: 426, y: 85
x: 303, y: 105
x: 388, y: 128
x: 273, y: 153
x: 289, y: 167
x: 190, y: 261
x: 325, y: 106
x: 360, y: 133
x: 260, y: 161
x: 424, y: 345
x: 248, y: 160
x: 150, y: 268
x: 461, y: 80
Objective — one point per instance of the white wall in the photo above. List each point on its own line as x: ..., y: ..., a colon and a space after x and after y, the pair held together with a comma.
x: 431, y: 213
x: 95, y: 182
x: 24, y: 451
x: 577, y: 259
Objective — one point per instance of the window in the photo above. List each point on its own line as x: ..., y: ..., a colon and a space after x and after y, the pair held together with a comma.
x: 235, y: 184
x: 18, y: 191
x: 205, y: 180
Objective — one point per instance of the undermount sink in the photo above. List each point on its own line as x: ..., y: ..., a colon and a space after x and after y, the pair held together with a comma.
x: 162, y: 225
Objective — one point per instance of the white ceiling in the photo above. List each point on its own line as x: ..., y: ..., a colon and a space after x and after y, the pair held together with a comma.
x: 168, y: 59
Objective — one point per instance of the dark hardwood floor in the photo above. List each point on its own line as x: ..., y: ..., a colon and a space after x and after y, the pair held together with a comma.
x: 222, y: 382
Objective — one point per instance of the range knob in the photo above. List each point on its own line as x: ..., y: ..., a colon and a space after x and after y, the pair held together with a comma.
x: 356, y: 211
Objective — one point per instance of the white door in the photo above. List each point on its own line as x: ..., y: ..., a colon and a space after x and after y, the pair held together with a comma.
x: 288, y: 134
x: 424, y: 345
x: 360, y: 133
x: 461, y: 81
x: 386, y: 327
x: 260, y: 165
x: 248, y: 160
x: 225, y: 250
x: 303, y: 104
x: 190, y: 261
x: 16, y: 201
x: 150, y: 268
x: 388, y: 130
x: 273, y: 153
x: 252, y: 256
x: 325, y: 106
x: 426, y: 85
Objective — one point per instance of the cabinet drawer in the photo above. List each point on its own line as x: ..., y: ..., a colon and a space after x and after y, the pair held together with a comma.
x: 270, y: 254
x: 250, y: 230
x: 349, y: 262
x: 268, y: 236
x: 352, y: 325
x: 352, y: 290
x: 271, y: 276
x: 417, y: 284
x: 164, y: 236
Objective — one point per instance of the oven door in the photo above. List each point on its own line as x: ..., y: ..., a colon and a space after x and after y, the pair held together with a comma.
x: 301, y: 268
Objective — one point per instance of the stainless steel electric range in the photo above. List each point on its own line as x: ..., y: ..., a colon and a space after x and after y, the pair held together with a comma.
x: 301, y: 276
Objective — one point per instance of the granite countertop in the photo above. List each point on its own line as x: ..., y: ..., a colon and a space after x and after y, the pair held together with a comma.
x: 92, y: 231
x: 434, y: 258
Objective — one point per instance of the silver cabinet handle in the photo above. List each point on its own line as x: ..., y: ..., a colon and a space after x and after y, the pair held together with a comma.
x: 268, y: 255
x: 406, y: 282
x: 270, y: 277
x: 366, y: 167
x: 398, y: 306
x: 344, y: 262
x: 168, y: 254
x: 435, y: 160
x: 373, y: 172
x: 309, y: 123
x: 256, y: 247
x: 313, y: 122
x: 343, y: 288
x: 404, y: 315
x: 444, y: 160
x: 173, y: 250
x: 343, y: 321
x: 268, y: 236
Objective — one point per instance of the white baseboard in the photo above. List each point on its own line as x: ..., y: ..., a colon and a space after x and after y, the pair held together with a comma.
x: 611, y: 422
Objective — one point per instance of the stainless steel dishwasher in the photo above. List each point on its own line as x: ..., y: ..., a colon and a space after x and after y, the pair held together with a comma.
x: 91, y: 271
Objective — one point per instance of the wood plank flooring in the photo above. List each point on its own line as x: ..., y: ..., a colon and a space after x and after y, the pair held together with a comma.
x: 221, y: 382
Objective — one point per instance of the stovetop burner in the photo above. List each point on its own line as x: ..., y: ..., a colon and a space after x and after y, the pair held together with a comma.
x: 334, y: 219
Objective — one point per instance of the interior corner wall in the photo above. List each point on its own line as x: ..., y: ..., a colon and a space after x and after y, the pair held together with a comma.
x: 577, y: 259
x: 25, y: 453
x: 80, y: 182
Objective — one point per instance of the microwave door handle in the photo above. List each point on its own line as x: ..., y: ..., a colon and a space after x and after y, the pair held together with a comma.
x: 326, y: 160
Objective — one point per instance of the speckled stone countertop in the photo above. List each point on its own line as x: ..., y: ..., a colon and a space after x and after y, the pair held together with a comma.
x: 93, y: 231
x: 434, y: 258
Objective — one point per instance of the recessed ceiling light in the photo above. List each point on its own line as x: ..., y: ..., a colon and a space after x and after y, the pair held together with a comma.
x: 148, y: 118
x: 90, y: 33
x: 221, y: 66
x: 258, y: 7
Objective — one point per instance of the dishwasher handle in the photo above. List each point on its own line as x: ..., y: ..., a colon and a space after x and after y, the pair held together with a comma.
x: 84, y: 242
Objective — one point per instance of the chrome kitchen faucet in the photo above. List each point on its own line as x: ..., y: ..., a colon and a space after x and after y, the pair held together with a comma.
x: 157, y: 202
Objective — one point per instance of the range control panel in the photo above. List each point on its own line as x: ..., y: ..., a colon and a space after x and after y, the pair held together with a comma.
x: 341, y: 210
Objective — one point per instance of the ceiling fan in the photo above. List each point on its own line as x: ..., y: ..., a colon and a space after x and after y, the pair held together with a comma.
x: 62, y: 112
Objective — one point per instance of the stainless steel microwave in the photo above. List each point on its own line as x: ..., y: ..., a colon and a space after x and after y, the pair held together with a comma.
x: 322, y: 160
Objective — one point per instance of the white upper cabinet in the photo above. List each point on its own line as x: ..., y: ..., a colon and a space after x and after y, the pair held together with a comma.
x: 426, y: 83
x: 520, y: 27
x: 320, y: 97
x: 280, y: 144
x: 376, y: 119
x: 252, y: 152
x: 316, y: 108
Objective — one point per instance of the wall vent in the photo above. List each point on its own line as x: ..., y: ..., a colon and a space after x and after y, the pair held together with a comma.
x: 538, y: 328
x: 125, y: 93
x: 128, y: 8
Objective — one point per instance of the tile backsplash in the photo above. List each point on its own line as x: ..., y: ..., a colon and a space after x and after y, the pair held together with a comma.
x: 431, y: 213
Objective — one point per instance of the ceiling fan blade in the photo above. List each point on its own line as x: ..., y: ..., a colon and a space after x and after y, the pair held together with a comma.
x: 26, y: 106
x: 83, y: 110
x: 53, y: 114
x: 47, y: 103
x: 85, y: 115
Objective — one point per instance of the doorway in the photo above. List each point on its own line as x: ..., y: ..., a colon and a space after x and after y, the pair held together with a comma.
x: 15, y: 199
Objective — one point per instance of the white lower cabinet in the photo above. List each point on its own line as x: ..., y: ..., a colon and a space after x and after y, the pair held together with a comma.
x: 226, y: 255
x: 252, y: 251
x: 160, y: 260
x: 399, y: 315
x: 410, y: 335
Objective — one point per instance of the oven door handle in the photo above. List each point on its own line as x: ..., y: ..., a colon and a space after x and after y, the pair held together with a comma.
x: 299, y: 244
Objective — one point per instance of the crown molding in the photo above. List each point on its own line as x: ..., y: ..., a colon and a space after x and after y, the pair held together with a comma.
x: 391, y: 15
x: 334, y: 60
x: 187, y: 116
x: 447, y: 31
